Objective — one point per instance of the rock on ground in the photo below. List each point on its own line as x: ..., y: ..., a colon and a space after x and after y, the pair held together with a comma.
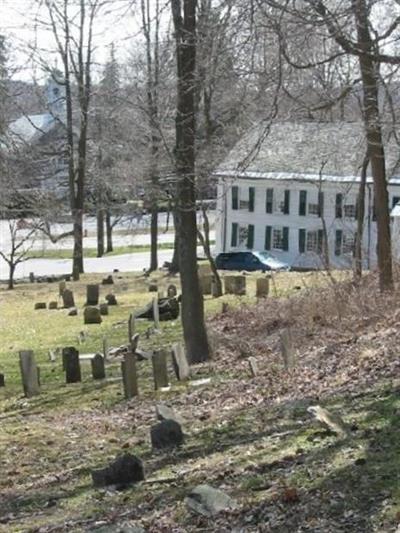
x: 166, y: 434
x: 124, y: 470
x: 208, y: 501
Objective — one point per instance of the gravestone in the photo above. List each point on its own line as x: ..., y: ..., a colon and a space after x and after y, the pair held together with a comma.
x: 97, y: 363
x: 71, y: 365
x: 92, y: 294
x: 134, y: 342
x: 111, y: 299
x: 235, y: 285
x: 214, y: 288
x: 53, y: 305
x: 171, y: 291
x: 153, y: 287
x: 209, y: 502
x: 129, y: 375
x: 31, y: 277
x: 52, y: 356
x: 166, y: 434
x: 164, y: 412
x: 40, y: 305
x: 73, y: 311
x: 103, y: 309
x: 131, y: 327
x: 156, y: 313
x: 160, y: 371
x: 179, y: 361
x: 206, y: 283
x: 287, y: 348
x: 2, y: 381
x: 262, y: 287
x: 124, y: 470
x: 224, y: 308
x: 68, y: 298
x: 106, y: 348
x: 108, y: 280
x: 253, y: 366
x: 91, y: 315
x: 29, y: 373
x: 61, y: 287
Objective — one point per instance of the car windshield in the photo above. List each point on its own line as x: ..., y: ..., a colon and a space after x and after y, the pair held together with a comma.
x: 265, y: 255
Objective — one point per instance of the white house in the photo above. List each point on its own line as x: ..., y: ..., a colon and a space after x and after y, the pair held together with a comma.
x: 285, y: 186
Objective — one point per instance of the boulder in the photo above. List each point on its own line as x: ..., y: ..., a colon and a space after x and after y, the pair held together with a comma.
x: 91, y: 315
x: 166, y: 434
x: 208, y: 501
x: 126, y: 469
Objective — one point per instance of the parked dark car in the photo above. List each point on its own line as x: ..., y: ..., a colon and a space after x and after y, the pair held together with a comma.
x: 250, y: 261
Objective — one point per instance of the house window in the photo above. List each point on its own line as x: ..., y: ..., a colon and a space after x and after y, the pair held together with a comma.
x: 240, y: 202
x: 350, y: 211
x: 347, y: 243
x: 313, y: 209
x: 277, y: 238
x: 244, y: 204
x: 312, y: 241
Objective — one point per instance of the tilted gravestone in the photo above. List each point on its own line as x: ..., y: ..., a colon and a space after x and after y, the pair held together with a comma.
x: 92, y: 294
x: 235, y: 285
x: 180, y: 362
x: 71, y: 365
x: 97, y: 363
x: 253, y: 366
x: 111, y: 299
x: 160, y: 371
x: 262, y: 287
x: 91, y: 315
x: 2, y: 381
x: 129, y: 376
x: 171, y: 291
x: 40, y: 305
x: 108, y: 280
x: 206, y: 283
x: 53, y: 305
x: 103, y: 309
x: 68, y: 298
x: 29, y: 373
x: 287, y: 348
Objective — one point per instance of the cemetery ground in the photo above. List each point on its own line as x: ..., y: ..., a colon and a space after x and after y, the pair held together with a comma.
x: 247, y: 430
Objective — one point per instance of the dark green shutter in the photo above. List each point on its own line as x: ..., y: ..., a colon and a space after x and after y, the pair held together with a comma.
x: 269, y: 201
x: 338, y: 242
x: 286, y: 205
x: 320, y: 241
x: 285, y: 239
x: 302, y: 241
x: 250, y: 236
x: 339, y: 206
x: 251, y: 198
x: 320, y: 204
x: 302, y: 203
x: 268, y: 233
x: 235, y: 197
x: 234, y: 234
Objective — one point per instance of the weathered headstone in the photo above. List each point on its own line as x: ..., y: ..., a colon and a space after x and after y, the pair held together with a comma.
x: 171, y: 291
x: 31, y: 277
x: 68, y: 298
x: 53, y: 305
x: 224, y: 308
x: 153, y: 287
x: 29, y: 373
x: 62, y: 285
x: 92, y: 294
x: 111, y: 299
x: 124, y: 470
x: 253, y: 366
x: 131, y: 327
x: 235, y: 285
x: 156, y: 313
x: 2, y: 381
x: 108, y: 280
x: 129, y: 376
x: 262, y: 287
x: 97, y: 362
x: 214, y: 288
x: 180, y: 362
x: 71, y: 365
x: 103, y: 309
x: 166, y: 434
x: 164, y: 412
x: 287, y: 348
x: 206, y: 283
x: 160, y: 371
x: 91, y: 315
x: 209, y: 502
x: 40, y: 305
x: 106, y: 348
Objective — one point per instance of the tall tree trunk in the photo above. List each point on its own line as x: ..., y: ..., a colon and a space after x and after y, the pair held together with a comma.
x: 205, y: 242
x: 174, y: 266
x: 109, y: 229
x: 360, y: 220
x: 372, y: 122
x: 100, y: 232
x: 11, y: 276
x: 77, y: 261
x: 194, y: 330
x: 153, y: 236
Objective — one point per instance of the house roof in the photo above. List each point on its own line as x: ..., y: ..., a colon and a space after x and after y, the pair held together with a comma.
x: 29, y: 128
x: 310, y: 150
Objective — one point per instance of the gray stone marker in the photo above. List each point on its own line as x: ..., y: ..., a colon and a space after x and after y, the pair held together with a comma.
x: 2, y: 381
x: 92, y: 294
x: 253, y: 366
x: 131, y: 327
x: 106, y: 348
x: 156, y: 313
x: 68, y: 298
x: 53, y: 305
x: 209, y: 502
x: 29, y: 373
x: 160, y: 371
x: 129, y: 376
x: 40, y: 305
x: 235, y: 285
x: 206, y: 283
x: 287, y: 348
x: 97, y: 362
x: 108, y: 280
x: 180, y: 362
x: 171, y: 291
x: 91, y: 315
x: 61, y: 287
x: 111, y: 299
x: 166, y: 434
x: 164, y: 412
x: 262, y: 287
x: 224, y: 308
x: 103, y: 309
x: 124, y: 470
x: 71, y: 365
x: 31, y: 277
